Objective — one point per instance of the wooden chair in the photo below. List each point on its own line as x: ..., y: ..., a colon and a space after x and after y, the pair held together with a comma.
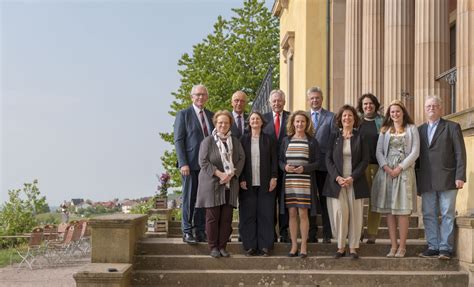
x: 29, y: 254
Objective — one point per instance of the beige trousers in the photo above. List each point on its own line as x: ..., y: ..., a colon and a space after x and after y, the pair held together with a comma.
x: 346, y: 214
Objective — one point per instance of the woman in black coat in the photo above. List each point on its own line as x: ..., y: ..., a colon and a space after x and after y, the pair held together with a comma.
x: 257, y: 183
x: 346, y: 185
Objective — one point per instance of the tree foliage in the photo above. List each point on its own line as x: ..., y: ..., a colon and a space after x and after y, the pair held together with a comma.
x: 17, y: 215
x: 235, y: 56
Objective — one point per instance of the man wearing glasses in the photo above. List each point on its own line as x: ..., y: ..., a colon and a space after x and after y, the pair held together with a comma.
x: 442, y: 171
x: 191, y: 126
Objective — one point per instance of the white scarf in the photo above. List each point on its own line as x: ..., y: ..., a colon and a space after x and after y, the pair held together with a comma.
x: 226, y: 153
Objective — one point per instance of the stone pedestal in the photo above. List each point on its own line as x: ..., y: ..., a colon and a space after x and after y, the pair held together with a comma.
x: 114, y: 237
x: 104, y: 275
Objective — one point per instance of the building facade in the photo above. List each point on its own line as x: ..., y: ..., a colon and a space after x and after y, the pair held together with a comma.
x: 395, y: 49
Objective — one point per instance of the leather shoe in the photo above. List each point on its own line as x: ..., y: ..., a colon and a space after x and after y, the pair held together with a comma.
x: 201, y: 237
x: 224, y: 253
x: 312, y: 240
x: 215, y: 253
x: 251, y: 252
x: 327, y: 240
x: 189, y: 238
x: 292, y: 254
x: 339, y: 254
x: 303, y: 255
x: 284, y: 239
x: 265, y: 252
x: 354, y: 255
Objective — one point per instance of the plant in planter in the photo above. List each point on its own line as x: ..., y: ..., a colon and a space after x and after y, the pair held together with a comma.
x: 157, y: 223
x: 162, y: 190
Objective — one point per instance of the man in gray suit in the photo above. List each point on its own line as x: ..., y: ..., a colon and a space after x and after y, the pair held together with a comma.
x: 191, y: 126
x: 442, y: 171
x: 238, y: 101
x: 323, y: 125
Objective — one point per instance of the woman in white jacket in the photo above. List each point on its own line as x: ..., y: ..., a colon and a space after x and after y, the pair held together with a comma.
x: 394, y: 187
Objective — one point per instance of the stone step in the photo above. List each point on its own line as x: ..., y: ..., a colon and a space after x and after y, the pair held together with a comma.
x: 175, y: 246
x: 297, y: 277
x: 413, y: 232
x: 242, y: 262
x: 413, y: 222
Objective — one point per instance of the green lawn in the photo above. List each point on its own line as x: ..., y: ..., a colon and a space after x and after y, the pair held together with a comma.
x: 5, y: 257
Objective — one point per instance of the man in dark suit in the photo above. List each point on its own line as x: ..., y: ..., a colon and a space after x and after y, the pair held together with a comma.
x: 191, y: 126
x: 323, y: 125
x: 442, y: 171
x: 238, y: 101
x: 276, y: 128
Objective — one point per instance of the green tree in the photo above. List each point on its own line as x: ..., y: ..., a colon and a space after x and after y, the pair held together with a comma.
x: 17, y: 215
x: 235, y: 56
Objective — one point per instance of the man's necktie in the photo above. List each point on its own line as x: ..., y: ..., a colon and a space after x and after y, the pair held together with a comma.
x: 203, y: 122
x: 430, y: 132
x: 277, y: 124
x: 315, y: 119
x: 239, y: 124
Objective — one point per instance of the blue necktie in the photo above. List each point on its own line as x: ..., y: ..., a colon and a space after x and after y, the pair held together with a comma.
x: 315, y: 119
x: 430, y: 132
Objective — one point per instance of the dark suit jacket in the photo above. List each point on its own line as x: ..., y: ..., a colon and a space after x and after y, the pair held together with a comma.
x: 269, y: 128
x: 444, y: 161
x: 323, y: 133
x: 235, y: 130
x: 334, y: 163
x: 268, y: 160
x: 188, y: 135
x: 310, y: 169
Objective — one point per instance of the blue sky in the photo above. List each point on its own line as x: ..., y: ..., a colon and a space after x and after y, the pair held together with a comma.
x: 85, y: 90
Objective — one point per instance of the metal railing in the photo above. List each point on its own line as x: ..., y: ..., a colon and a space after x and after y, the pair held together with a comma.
x: 261, y: 104
x: 450, y: 77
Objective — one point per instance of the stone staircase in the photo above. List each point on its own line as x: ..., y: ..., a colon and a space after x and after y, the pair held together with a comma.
x: 170, y: 262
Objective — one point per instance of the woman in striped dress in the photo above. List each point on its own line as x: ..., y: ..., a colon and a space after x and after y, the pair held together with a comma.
x: 298, y: 160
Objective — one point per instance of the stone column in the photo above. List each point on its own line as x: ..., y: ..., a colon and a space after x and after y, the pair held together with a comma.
x: 465, y: 55
x: 373, y: 47
x: 399, y: 35
x: 353, y: 54
x: 431, y: 53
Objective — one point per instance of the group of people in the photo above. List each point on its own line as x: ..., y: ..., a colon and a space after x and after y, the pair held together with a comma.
x: 280, y: 169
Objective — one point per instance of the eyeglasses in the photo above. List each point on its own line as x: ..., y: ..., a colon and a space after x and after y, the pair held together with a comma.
x: 200, y: 95
x: 429, y: 107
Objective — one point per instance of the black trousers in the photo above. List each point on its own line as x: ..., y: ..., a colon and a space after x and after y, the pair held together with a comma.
x: 283, y: 219
x: 192, y: 218
x: 256, y: 213
x: 313, y: 225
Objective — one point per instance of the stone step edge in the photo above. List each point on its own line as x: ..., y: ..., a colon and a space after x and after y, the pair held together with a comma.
x: 309, y: 272
x: 240, y: 256
x: 176, y: 240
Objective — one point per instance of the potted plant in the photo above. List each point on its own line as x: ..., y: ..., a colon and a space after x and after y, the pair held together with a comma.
x: 157, y: 224
x: 161, y: 197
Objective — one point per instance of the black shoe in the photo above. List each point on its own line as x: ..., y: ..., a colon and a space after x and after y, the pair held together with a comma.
x: 265, y: 252
x: 189, y: 238
x: 339, y: 254
x: 201, y: 237
x: 292, y: 254
x: 354, y: 255
x: 429, y: 253
x: 251, y: 252
x: 215, y: 253
x: 312, y: 240
x: 224, y: 253
x: 303, y: 255
x: 284, y: 239
x: 327, y: 240
x: 444, y: 254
